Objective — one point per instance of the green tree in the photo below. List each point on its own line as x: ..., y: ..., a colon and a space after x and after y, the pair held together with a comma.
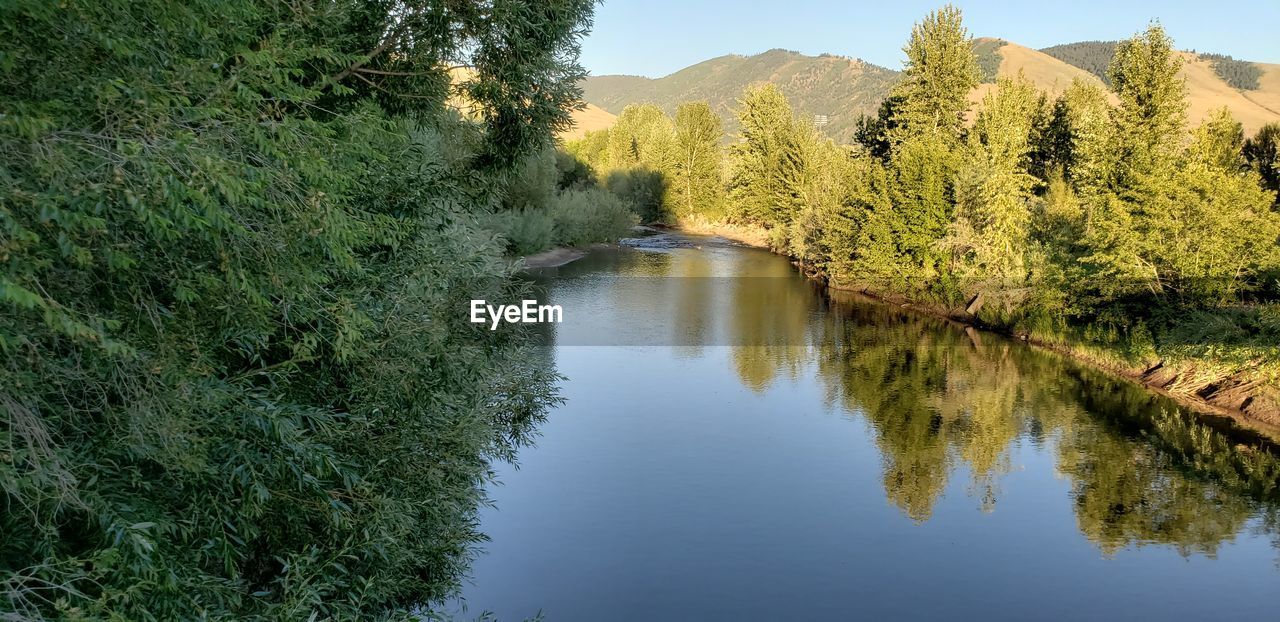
x: 995, y: 190
x: 940, y: 70
x: 768, y: 163
x: 1151, y: 119
x: 641, y: 135
x: 1090, y: 162
x: 1263, y: 154
x: 1145, y: 141
x: 696, y: 167
x: 223, y: 226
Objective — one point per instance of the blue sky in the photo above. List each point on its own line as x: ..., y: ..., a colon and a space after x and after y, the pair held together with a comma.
x: 657, y: 37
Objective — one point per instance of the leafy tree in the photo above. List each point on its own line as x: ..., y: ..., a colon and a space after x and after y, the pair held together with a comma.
x: 642, y: 134
x: 696, y: 167
x: 236, y: 237
x: 1151, y: 119
x: 900, y: 239
x: 940, y: 71
x: 1262, y: 152
x: 994, y: 194
x: 768, y: 163
x: 1089, y: 162
x: 1148, y: 128
x: 873, y: 132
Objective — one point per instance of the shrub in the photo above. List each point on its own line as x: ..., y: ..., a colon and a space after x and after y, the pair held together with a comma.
x: 589, y: 216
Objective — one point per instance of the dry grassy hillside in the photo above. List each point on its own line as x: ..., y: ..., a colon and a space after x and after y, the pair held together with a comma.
x: 588, y: 119
x: 1205, y: 90
x: 1046, y: 72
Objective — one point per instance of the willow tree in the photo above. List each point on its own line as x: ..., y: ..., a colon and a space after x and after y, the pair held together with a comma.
x: 696, y: 161
x: 222, y: 227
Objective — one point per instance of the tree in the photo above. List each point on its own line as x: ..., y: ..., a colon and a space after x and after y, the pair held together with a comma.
x: 696, y: 165
x: 1262, y: 152
x: 1151, y: 119
x: 642, y: 134
x: 223, y: 226
x: 1090, y: 162
x: 1144, y: 145
x: 940, y: 71
x: 993, y: 196
x: 768, y: 163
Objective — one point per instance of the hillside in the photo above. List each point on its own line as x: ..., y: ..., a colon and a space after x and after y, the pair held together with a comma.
x: 839, y: 88
x: 842, y: 88
x: 586, y: 120
x: 1209, y: 77
x: 1048, y: 73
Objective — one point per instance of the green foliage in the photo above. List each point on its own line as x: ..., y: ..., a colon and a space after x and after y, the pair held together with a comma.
x: 990, y: 234
x: 1262, y: 153
x: 236, y: 239
x: 643, y: 189
x: 940, y: 71
x: 591, y: 215
x: 873, y: 132
x: 1073, y: 217
x: 1240, y: 74
x: 548, y: 201
x: 697, y: 162
x: 769, y: 161
x: 1151, y: 118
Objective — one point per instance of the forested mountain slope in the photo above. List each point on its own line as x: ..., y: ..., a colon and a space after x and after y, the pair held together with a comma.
x: 835, y: 86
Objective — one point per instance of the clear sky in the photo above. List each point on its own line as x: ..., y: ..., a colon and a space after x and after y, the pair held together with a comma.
x: 657, y: 37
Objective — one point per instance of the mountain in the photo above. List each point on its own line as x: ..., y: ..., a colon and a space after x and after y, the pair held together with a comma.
x: 835, y: 86
x: 843, y: 88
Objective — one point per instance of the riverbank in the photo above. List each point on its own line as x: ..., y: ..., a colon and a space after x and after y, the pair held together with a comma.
x: 1243, y: 395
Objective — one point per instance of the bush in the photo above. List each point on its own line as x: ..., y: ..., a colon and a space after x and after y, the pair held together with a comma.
x: 238, y: 381
x: 589, y: 216
x: 527, y: 231
x: 642, y: 188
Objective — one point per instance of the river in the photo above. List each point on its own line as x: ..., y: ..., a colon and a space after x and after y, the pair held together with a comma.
x: 735, y: 445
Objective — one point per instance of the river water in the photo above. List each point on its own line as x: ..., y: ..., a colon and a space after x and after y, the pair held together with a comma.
x: 734, y: 445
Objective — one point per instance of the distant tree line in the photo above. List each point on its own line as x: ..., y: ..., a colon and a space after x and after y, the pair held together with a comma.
x: 1092, y: 56
x: 988, y: 55
x: 1096, y: 57
x: 1240, y: 74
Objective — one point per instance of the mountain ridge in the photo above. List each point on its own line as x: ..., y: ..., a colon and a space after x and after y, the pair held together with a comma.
x: 841, y: 88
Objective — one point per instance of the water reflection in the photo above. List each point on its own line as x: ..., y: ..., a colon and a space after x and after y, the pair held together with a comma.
x: 942, y: 399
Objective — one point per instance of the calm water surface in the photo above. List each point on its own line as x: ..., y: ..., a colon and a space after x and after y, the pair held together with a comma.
x: 783, y: 456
